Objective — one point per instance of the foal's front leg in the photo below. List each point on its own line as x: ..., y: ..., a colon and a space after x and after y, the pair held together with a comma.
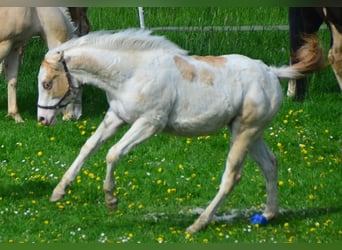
x: 141, y: 130
x: 106, y: 129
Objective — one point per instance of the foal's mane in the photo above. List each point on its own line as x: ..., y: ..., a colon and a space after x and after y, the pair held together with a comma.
x: 131, y: 39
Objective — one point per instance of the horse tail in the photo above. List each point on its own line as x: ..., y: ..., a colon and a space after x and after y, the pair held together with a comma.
x: 310, y: 58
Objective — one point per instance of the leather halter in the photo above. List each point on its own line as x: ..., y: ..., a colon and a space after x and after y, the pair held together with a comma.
x: 71, y: 90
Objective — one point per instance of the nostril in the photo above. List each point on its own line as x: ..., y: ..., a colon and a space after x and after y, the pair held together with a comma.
x: 41, y: 119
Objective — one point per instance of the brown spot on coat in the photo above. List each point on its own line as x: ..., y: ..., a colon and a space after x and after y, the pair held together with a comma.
x: 187, y: 70
x: 216, y: 61
x: 206, y: 76
x: 249, y: 112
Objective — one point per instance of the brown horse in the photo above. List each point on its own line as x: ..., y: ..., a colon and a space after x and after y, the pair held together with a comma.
x: 80, y: 19
x: 19, y: 24
x: 304, y: 25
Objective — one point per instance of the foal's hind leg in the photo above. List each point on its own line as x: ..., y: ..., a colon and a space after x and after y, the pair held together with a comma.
x: 230, y: 177
x: 264, y: 157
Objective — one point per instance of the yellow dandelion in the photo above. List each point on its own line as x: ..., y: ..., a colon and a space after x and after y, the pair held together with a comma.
x: 40, y: 153
x: 160, y: 239
x: 52, y: 138
x: 311, y: 197
x: 280, y: 183
x: 285, y: 121
x: 46, y: 222
x: 291, y: 239
x: 286, y: 224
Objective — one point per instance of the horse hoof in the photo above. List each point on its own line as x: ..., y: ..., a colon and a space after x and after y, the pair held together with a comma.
x: 112, y: 203
x: 259, y: 219
x: 191, y: 229
x: 56, y: 197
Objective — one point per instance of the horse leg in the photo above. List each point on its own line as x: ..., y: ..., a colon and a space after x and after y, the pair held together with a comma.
x: 264, y: 157
x: 12, y: 64
x: 74, y: 110
x: 142, y: 129
x: 108, y: 127
x: 231, y: 176
x: 335, y: 54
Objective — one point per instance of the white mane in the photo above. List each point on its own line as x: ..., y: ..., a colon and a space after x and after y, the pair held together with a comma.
x: 67, y: 17
x: 131, y: 39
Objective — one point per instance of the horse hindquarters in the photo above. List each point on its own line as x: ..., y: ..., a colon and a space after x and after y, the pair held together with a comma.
x: 335, y: 54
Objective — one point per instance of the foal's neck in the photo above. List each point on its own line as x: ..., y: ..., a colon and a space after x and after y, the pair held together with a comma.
x: 99, y: 67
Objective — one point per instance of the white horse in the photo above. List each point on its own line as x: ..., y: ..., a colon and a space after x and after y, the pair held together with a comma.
x: 155, y: 86
x: 18, y: 25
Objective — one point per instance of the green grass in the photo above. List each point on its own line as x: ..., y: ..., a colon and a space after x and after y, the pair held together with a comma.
x: 162, y: 181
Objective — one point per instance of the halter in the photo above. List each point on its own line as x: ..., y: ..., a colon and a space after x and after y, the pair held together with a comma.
x: 71, y: 90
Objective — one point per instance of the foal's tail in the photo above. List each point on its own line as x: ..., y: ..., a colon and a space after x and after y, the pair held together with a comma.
x: 310, y: 59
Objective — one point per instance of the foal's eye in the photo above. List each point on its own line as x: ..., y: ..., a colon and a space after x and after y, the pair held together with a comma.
x: 47, y: 85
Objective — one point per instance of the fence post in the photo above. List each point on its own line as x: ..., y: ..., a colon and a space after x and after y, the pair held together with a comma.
x: 141, y: 17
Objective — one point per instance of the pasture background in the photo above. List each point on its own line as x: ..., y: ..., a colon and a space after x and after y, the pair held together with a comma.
x: 162, y: 182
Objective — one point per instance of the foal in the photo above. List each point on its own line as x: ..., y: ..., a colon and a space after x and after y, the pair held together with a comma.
x: 157, y: 87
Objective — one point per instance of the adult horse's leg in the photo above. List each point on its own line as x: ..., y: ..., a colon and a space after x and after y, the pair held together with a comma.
x: 296, y: 29
x: 264, y: 157
x: 303, y: 21
x: 12, y: 64
x: 141, y: 129
x: 108, y: 127
x: 74, y: 110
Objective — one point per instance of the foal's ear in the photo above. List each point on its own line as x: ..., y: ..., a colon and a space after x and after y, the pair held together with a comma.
x: 56, y: 57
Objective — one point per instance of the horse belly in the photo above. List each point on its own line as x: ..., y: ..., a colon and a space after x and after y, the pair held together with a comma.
x: 200, y: 113
x: 17, y: 24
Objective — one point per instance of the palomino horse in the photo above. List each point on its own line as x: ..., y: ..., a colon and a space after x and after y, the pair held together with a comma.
x: 304, y: 24
x: 155, y: 86
x: 19, y: 24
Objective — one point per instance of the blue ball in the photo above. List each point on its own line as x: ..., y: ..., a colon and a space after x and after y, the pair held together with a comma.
x: 259, y: 219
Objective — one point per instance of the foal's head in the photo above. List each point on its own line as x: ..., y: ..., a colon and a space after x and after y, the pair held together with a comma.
x: 56, y: 87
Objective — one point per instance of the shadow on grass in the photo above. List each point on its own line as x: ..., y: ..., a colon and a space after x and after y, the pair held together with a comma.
x: 239, y: 217
x: 27, y: 189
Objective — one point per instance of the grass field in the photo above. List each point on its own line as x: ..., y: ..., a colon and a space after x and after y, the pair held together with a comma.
x: 162, y: 184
